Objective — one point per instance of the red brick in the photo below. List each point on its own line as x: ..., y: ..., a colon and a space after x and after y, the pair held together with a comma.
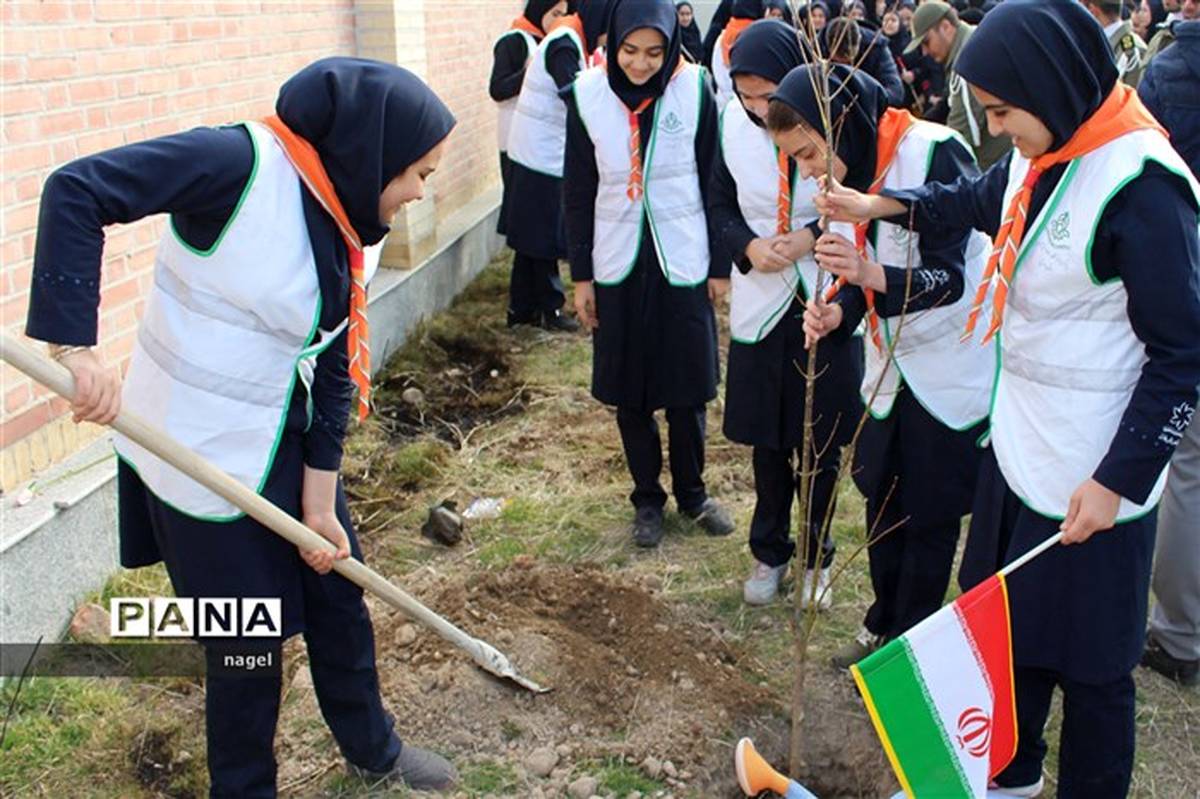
x: 60, y: 123
x: 51, y: 68
x: 20, y: 100
x: 91, y: 91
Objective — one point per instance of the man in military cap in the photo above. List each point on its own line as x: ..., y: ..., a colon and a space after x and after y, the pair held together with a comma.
x: 1129, y: 51
x: 940, y: 34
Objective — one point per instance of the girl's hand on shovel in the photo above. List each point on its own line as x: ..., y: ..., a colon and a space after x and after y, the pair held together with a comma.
x: 97, y: 388
x: 318, y: 503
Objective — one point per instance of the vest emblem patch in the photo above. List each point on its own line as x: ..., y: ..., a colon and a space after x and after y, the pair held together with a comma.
x: 1060, y: 230
x: 671, y: 123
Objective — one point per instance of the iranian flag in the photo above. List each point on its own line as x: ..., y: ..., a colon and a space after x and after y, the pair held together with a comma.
x: 941, y: 696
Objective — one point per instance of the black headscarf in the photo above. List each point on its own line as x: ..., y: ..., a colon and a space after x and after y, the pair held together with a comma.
x: 858, y: 103
x: 802, y: 21
x: 769, y: 49
x: 1047, y: 57
x: 690, y: 36
x: 369, y: 121
x: 747, y: 9
x: 595, y: 15
x: 536, y: 9
x: 628, y: 16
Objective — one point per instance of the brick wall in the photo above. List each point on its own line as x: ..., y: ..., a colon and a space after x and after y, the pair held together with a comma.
x: 81, y: 76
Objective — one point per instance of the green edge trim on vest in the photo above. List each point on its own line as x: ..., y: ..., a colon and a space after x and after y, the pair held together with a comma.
x: 287, y: 404
x: 229, y: 223
x: 662, y: 261
x: 1087, y: 256
x: 887, y: 329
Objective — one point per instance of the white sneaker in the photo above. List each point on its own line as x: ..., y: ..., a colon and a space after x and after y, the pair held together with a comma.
x: 762, y: 587
x: 1020, y: 790
x: 824, y: 595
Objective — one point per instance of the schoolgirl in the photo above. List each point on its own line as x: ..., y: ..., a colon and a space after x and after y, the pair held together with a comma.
x: 641, y: 136
x: 533, y: 217
x: 1100, y: 359
x: 762, y: 213
x: 744, y: 13
x: 916, y: 460
x: 510, y: 57
x: 243, y: 355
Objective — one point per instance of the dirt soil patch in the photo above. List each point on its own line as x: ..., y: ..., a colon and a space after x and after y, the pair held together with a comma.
x: 634, y: 677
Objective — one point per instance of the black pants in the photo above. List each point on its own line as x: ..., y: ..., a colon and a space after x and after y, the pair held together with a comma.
x: 776, y: 481
x: 910, y: 567
x: 643, y: 454
x: 1095, y: 758
x: 241, y: 711
x: 535, y: 288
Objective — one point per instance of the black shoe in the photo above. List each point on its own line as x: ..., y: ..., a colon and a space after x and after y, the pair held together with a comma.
x: 648, y: 527
x: 1184, y: 672
x: 533, y: 319
x: 711, y: 517
x: 557, y: 322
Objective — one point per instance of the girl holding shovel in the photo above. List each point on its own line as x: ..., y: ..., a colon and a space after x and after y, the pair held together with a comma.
x: 250, y: 346
x: 1100, y: 358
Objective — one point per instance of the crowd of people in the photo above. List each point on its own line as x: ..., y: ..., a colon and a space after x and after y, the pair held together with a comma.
x: 881, y: 211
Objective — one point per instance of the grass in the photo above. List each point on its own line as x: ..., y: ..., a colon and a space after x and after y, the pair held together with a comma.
x: 559, y: 465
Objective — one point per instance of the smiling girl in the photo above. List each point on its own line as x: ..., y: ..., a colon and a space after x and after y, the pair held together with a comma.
x: 640, y: 141
x: 1095, y: 306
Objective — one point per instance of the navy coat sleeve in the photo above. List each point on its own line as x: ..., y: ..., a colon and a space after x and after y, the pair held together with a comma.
x: 508, y: 67
x: 939, y: 280
x: 969, y: 202
x: 707, y: 152
x: 879, y: 64
x: 1164, y: 310
x: 727, y: 225
x: 581, y: 179
x: 562, y: 62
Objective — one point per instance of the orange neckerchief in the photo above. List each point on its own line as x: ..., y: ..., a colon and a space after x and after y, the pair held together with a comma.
x: 732, y: 31
x: 575, y: 23
x: 783, y: 203
x: 893, y: 127
x: 307, y: 161
x: 523, y: 24
x: 1121, y: 112
x: 636, y: 188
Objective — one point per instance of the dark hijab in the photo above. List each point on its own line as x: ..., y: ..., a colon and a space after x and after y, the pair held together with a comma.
x: 369, y: 121
x: 690, y: 36
x: 747, y: 9
x: 595, y: 15
x: 802, y: 21
x: 536, y: 9
x: 1047, y: 57
x: 858, y: 103
x: 769, y: 49
x: 628, y: 16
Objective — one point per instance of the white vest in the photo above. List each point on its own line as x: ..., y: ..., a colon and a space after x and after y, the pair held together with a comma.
x: 538, y: 136
x: 506, y: 108
x: 759, y: 299
x: 721, y: 76
x: 221, y: 344
x: 1069, y: 357
x: 671, y: 199
x: 952, y: 380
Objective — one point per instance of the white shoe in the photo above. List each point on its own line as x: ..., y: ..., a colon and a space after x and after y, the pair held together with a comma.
x: 762, y: 587
x: 824, y: 595
x: 1020, y: 790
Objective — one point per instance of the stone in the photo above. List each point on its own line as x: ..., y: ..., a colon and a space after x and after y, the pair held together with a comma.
x: 413, y: 396
x: 669, y: 769
x: 406, y: 635
x: 653, y: 768
x: 541, y: 761
x: 90, y: 624
x: 583, y: 788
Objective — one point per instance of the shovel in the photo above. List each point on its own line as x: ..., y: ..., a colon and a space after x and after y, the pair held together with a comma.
x: 58, y: 378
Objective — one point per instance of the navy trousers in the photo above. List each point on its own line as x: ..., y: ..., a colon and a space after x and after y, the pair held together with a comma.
x: 1095, y: 759
x: 776, y: 482
x: 643, y: 453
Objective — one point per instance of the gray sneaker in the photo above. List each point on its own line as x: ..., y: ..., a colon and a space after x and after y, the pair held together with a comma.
x: 863, y: 644
x: 712, y: 518
x: 1025, y: 791
x: 762, y: 587
x: 418, y: 769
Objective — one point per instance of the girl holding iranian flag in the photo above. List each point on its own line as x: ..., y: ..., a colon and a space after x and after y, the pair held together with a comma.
x: 1100, y: 358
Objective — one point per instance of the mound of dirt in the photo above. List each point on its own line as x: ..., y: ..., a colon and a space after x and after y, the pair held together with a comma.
x: 634, y: 679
